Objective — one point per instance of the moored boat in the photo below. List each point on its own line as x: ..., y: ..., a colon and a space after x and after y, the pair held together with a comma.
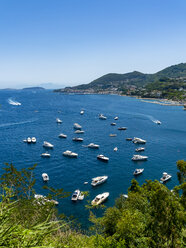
x: 113, y: 124
x: 139, y: 158
x: 92, y: 145
x: 58, y: 120
x: 165, y: 177
x: 33, y: 139
x: 70, y: 154
x: 79, y: 131
x: 103, y: 158
x: 129, y: 139
x: 77, y: 139
x: 138, y: 171
x: 100, y: 198
x: 29, y: 140
x: 62, y: 135
x: 45, y: 177
x: 140, y: 149
x: 45, y: 154
x: 102, y: 117
x: 41, y: 199
x: 82, y: 112
x: 98, y: 180
x: 116, y: 118
x: 138, y: 140
x: 77, y: 126
x: 75, y: 195
x: 47, y: 144
x: 112, y: 135
x: 115, y: 149
x: 122, y: 128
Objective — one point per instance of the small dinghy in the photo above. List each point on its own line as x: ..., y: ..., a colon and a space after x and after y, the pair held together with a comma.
x: 58, y: 121
x: 45, y: 177
x: 81, y: 196
x: 33, y: 139
x: 115, y: 149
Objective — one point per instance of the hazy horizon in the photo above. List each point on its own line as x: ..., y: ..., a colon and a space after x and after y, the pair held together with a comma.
x: 74, y: 42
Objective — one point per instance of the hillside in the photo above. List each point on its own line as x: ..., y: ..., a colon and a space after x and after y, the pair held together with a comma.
x: 117, y: 83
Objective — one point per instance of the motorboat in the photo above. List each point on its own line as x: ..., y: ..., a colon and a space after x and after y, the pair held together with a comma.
x: 77, y: 126
x: 92, y: 145
x: 29, y: 140
x: 75, y: 195
x: 62, y: 135
x: 98, y: 180
x: 112, y: 135
x: 102, y: 117
x: 33, y: 139
x: 128, y: 139
x: 25, y: 140
x: 165, y: 177
x: 45, y: 177
x: 157, y: 122
x: 116, y: 118
x: 58, y: 120
x: 113, y: 124
x: 122, y: 128
x: 138, y: 171
x: 79, y: 131
x: 115, y: 149
x: 139, y: 158
x: 41, y: 199
x: 139, y: 140
x: 45, y: 154
x: 103, y: 158
x: 82, y: 112
x: 70, y: 154
x: 140, y: 149
x: 47, y: 144
x: 100, y: 198
x: 81, y: 196
x: 77, y: 139
x: 85, y: 183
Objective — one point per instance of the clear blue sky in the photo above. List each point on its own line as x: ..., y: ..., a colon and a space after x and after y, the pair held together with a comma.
x: 75, y: 41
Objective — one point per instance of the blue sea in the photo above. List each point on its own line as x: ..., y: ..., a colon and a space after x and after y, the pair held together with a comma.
x: 36, y: 116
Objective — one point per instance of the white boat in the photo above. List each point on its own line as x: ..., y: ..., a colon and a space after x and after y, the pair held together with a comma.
x: 100, y: 198
x: 138, y: 171
x: 103, y: 158
x: 25, y: 140
x: 75, y: 195
x: 81, y: 196
x: 116, y: 118
x: 125, y: 196
x: 139, y: 158
x: 45, y: 154
x: 62, y: 135
x: 29, y: 140
x: 41, y: 199
x: 77, y: 139
x: 115, y: 149
x: 138, y: 140
x: 165, y: 177
x: 47, y: 144
x: 140, y: 149
x: 79, y: 131
x: 112, y: 135
x: 45, y: 177
x: 98, y: 180
x: 58, y: 120
x: 113, y: 124
x: 92, y: 145
x: 122, y: 128
x: 157, y: 122
x: 102, y: 117
x: 82, y: 112
x: 77, y: 126
x: 70, y: 154
x: 33, y: 139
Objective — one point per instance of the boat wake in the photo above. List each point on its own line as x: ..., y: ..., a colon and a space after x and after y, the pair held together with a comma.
x: 13, y: 102
x: 17, y: 123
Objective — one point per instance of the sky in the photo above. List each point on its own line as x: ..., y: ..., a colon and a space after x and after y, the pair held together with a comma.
x: 71, y: 42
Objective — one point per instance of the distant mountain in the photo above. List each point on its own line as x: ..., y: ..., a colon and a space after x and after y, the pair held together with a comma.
x: 117, y: 82
x: 33, y: 88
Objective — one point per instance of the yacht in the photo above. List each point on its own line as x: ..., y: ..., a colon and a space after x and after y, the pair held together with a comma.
x: 98, y: 180
x: 165, y: 177
x: 115, y: 149
x: 112, y: 135
x: 45, y: 177
x: 140, y: 149
x: 92, y: 145
x: 41, y: 199
x: 157, y: 122
x: 82, y: 112
x: 122, y: 128
x: 47, y: 144
x: 77, y: 139
x: 129, y: 139
x: 116, y: 118
x: 70, y: 154
x: 113, y: 124
x: 139, y: 158
x: 58, y: 120
x: 100, y: 198
x: 45, y: 154
x: 79, y: 131
x: 102, y: 117
x: 77, y: 126
x: 62, y: 135
x: 75, y: 195
x: 138, y: 140
x: 29, y: 140
x: 138, y: 171
x: 33, y: 140
x: 103, y: 158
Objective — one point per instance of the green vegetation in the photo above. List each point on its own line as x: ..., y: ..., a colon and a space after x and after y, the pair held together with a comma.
x: 151, y: 216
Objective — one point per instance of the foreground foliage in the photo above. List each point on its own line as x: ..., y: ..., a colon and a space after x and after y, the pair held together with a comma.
x: 151, y: 216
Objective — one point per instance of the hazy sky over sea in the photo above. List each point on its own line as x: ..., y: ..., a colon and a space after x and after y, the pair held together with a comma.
x: 69, y: 42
